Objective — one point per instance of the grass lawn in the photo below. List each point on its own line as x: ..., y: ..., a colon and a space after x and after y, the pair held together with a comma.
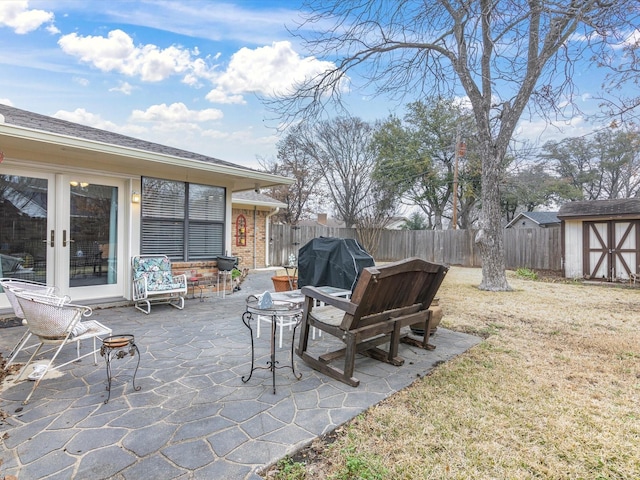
x: 553, y: 392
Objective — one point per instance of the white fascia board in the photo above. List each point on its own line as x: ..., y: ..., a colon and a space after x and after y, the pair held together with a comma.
x: 66, y: 141
x: 258, y: 203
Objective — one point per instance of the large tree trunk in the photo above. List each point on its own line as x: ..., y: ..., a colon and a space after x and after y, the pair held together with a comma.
x: 489, y: 237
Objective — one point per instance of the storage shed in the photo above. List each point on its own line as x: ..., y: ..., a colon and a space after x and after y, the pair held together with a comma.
x: 601, y: 239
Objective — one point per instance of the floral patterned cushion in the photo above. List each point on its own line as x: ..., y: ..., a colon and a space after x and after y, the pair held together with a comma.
x: 157, y: 270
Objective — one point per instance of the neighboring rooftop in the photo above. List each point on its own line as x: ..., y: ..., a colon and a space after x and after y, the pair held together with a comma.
x: 322, y: 220
x: 543, y: 219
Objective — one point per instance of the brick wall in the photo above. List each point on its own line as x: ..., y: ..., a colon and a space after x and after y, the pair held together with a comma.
x: 206, y: 272
x: 256, y: 232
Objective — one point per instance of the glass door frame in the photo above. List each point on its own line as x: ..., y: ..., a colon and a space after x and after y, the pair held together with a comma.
x: 63, y: 242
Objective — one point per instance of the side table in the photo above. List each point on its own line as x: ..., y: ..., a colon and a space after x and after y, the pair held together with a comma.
x: 193, y: 283
x: 292, y: 275
x: 119, y: 346
x: 224, y: 275
x: 278, y: 309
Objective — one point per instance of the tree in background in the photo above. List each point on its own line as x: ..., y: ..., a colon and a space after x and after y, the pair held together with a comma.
x: 602, y: 168
x: 527, y: 189
x: 341, y: 150
x: 379, y: 207
x: 507, y: 56
x: 419, y: 155
x: 416, y: 221
x: 295, y: 161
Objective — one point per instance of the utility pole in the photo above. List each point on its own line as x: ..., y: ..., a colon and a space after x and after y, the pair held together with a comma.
x: 460, y: 152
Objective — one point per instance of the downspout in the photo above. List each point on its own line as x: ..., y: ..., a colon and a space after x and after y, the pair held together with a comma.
x: 267, y: 231
x: 255, y: 236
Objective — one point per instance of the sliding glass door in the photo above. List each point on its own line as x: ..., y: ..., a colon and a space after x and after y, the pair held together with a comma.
x: 92, y: 234
x: 63, y: 230
x: 24, y: 231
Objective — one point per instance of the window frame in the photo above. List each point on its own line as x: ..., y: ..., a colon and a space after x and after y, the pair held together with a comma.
x: 186, y: 220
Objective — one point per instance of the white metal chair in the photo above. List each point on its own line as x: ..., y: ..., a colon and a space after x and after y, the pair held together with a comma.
x: 12, y: 285
x: 281, y: 322
x: 56, y: 323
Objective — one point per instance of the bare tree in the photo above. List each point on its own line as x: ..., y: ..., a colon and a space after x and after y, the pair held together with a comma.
x: 341, y: 148
x: 294, y: 161
x: 506, y: 56
x: 378, y: 208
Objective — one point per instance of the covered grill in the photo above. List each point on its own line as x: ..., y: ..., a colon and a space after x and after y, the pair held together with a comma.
x: 334, y: 262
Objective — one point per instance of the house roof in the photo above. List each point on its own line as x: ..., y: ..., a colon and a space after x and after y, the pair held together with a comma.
x: 251, y: 197
x: 322, y: 220
x: 620, y: 208
x: 27, y: 135
x: 541, y: 218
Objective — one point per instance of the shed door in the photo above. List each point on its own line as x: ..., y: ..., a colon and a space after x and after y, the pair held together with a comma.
x: 611, y: 249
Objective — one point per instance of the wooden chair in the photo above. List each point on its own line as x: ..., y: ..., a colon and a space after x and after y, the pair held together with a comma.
x: 384, y: 300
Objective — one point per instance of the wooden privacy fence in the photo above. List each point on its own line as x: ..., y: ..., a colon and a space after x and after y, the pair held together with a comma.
x: 535, y: 248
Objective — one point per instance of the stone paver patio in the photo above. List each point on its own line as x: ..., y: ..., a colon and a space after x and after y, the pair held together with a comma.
x: 193, y: 417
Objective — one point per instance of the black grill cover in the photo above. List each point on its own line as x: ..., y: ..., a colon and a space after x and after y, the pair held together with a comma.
x: 333, y: 262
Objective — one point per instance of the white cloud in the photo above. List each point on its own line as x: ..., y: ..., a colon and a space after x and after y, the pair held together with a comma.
x: 80, y: 115
x: 174, y: 113
x: 246, y: 137
x: 52, y: 29
x: 125, y: 87
x: 81, y: 81
x: 268, y: 70
x: 633, y: 39
x: 6, y: 101
x: 542, y: 130
x: 218, y: 95
x: 116, y: 52
x: 17, y: 15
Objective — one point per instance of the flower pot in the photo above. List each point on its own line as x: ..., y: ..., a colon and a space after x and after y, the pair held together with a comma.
x: 281, y: 283
x: 226, y: 263
x: 436, y: 318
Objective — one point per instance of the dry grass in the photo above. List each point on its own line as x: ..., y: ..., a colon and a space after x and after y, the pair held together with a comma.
x: 553, y: 392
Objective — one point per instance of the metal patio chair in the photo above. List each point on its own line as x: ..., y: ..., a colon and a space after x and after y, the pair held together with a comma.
x: 56, y: 323
x: 10, y: 287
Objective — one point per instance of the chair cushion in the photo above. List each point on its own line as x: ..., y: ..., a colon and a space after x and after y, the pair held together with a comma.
x: 157, y: 271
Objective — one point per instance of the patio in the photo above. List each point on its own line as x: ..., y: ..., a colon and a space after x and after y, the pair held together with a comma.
x: 193, y: 417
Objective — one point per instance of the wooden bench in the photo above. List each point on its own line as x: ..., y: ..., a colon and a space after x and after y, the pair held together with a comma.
x: 154, y: 282
x: 384, y: 300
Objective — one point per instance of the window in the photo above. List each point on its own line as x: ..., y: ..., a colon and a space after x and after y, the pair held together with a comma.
x: 184, y: 221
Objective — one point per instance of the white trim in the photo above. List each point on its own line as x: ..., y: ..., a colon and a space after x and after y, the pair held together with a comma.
x: 67, y: 142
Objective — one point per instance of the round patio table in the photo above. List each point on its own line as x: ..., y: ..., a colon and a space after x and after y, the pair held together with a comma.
x: 278, y: 308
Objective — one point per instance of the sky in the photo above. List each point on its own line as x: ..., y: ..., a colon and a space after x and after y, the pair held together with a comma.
x: 184, y: 73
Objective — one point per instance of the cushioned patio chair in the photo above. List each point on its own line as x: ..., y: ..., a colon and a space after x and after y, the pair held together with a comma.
x: 154, y: 282
x: 56, y: 323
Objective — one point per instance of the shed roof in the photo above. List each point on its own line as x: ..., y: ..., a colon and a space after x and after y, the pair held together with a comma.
x: 619, y: 208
